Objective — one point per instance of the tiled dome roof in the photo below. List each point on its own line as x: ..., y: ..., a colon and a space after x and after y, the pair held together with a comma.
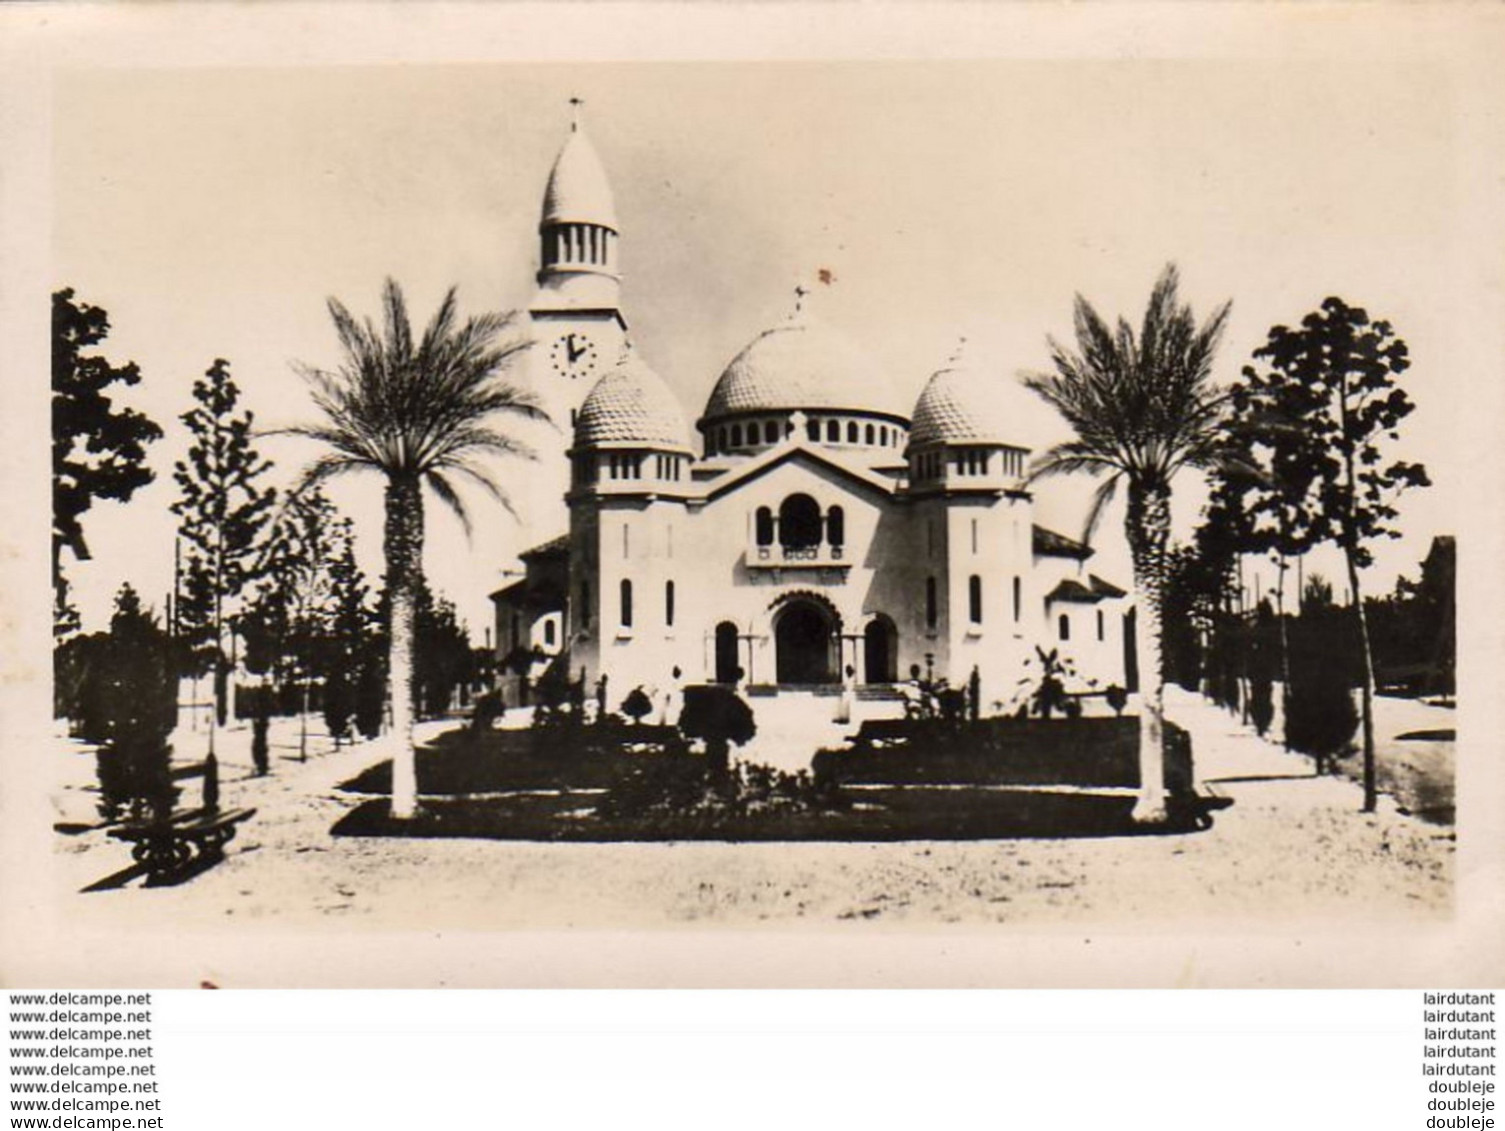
x: 963, y: 406
x: 578, y: 191
x: 801, y: 365
x: 631, y: 405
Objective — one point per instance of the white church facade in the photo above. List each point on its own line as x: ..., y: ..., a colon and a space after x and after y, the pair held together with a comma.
x: 806, y: 534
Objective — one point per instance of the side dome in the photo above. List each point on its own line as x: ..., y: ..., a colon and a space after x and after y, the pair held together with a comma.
x: 578, y: 191
x: 801, y: 365
x: 963, y: 406
x: 631, y: 406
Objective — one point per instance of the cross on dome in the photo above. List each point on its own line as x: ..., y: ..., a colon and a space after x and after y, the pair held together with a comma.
x: 576, y: 103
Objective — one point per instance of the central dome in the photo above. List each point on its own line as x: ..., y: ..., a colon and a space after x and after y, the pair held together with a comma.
x: 801, y: 365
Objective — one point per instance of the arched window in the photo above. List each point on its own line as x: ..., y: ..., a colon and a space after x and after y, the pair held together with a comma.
x: 974, y: 599
x: 833, y: 431
x: 1063, y: 627
x: 868, y: 432
x: 1018, y: 599
x: 771, y: 432
x: 721, y: 441
x: 710, y: 444
x: 932, y: 614
x: 1100, y: 624
x: 763, y: 526
x: 799, y: 523
x: 669, y: 603
x: 836, y: 527
x: 851, y: 431
x: 812, y: 429
x: 736, y: 435
x: 548, y: 632
x: 626, y: 617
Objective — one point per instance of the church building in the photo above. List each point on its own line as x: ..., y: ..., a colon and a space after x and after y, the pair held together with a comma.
x: 807, y: 533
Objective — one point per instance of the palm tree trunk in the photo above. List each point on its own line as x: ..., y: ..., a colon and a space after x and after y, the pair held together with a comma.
x: 1148, y: 525
x: 402, y: 545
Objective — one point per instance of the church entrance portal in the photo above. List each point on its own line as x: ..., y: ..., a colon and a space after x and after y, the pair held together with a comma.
x: 804, y: 635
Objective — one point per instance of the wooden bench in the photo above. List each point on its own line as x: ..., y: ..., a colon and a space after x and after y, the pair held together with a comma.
x: 186, y: 843
x: 881, y: 732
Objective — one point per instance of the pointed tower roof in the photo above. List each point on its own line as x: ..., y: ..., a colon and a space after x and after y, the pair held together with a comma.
x: 578, y: 191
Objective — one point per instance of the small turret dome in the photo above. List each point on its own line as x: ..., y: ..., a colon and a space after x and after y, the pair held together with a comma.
x: 578, y: 191
x: 960, y: 405
x: 801, y: 364
x: 631, y: 405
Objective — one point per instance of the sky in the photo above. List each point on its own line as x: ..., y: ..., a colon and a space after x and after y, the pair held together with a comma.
x: 212, y: 211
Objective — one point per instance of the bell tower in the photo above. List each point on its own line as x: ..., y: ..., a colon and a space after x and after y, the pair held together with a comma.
x: 577, y: 320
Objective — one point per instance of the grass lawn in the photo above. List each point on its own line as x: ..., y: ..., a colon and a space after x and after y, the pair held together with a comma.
x: 462, y: 761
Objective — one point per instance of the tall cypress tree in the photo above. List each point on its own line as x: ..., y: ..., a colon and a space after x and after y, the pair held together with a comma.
x: 223, y: 510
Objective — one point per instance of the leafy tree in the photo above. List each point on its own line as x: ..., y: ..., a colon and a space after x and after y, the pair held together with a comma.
x: 223, y: 510
x: 637, y: 706
x: 353, y: 641
x: 1330, y: 404
x: 720, y: 716
x: 1143, y: 408
x: 417, y: 410
x: 290, y: 613
x: 442, y: 653
x: 98, y: 448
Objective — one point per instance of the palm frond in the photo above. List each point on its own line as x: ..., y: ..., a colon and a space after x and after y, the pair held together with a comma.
x: 1100, y: 500
x: 447, y: 494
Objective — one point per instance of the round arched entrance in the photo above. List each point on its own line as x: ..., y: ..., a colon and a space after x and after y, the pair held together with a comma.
x: 805, y: 641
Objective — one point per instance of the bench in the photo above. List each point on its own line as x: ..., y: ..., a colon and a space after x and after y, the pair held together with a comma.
x: 188, y: 842
x: 881, y: 732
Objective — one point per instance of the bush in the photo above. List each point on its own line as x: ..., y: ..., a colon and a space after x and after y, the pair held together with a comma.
x: 1320, y: 714
x: 637, y: 706
x: 687, y: 787
x: 133, y: 695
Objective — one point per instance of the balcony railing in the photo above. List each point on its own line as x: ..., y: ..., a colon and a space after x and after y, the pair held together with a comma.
x: 793, y: 557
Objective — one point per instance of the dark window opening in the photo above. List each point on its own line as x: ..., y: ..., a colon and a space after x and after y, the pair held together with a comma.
x: 974, y: 598
x: 763, y: 524
x: 799, y: 523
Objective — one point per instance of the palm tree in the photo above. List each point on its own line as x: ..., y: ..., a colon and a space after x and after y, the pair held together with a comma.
x: 417, y: 411
x: 1143, y: 407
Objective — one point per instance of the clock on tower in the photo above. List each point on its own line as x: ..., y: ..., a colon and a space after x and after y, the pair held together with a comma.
x: 575, y: 355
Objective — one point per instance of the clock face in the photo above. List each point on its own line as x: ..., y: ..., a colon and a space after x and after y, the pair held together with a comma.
x: 574, y: 355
